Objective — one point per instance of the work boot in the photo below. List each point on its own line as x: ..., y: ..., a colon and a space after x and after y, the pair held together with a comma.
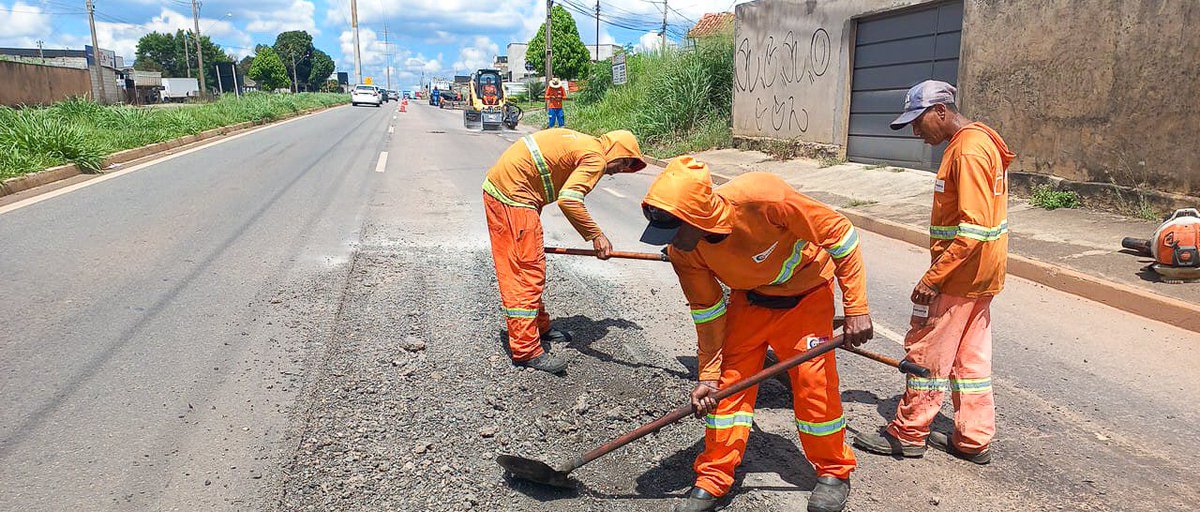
x: 556, y: 336
x: 829, y: 495
x: 943, y: 442
x: 546, y: 362
x: 698, y: 500
x: 884, y: 443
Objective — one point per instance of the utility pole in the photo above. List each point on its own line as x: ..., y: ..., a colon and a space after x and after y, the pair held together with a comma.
x: 666, y: 8
x: 96, y: 69
x: 387, y: 52
x: 187, y: 58
x: 357, y: 53
x: 597, y: 31
x: 549, y: 51
x: 199, y: 51
x: 41, y: 55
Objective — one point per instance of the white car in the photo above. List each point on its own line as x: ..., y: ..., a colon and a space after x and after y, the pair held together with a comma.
x: 366, y: 94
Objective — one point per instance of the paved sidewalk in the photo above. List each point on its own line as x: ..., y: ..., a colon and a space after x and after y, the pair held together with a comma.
x: 1084, y: 241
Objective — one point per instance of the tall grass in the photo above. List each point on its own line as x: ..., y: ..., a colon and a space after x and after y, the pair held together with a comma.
x: 675, y: 103
x: 82, y: 132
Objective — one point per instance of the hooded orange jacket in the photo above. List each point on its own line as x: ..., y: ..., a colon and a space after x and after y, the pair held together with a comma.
x: 968, y: 227
x: 780, y: 243
x: 566, y: 167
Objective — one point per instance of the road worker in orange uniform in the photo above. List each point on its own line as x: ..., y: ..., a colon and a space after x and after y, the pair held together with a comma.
x: 556, y: 166
x: 951, y: 324
x: 779, y: 252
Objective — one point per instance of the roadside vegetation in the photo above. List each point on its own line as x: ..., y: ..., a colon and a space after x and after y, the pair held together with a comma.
x: 1050, y: 198
x: 83, y: 132
x: 675, y: 103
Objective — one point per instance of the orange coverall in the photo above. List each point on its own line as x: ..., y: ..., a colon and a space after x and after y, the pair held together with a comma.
x: 550, y: 166
x: 780, y: 243
x: 968, y: 235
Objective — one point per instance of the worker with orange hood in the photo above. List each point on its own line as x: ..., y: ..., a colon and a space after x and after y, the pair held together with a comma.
x: 779, y: 252
x: 950, y: 330
x: 556, y: 166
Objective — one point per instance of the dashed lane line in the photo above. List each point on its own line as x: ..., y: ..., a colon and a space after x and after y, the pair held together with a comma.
x: 379, y: 167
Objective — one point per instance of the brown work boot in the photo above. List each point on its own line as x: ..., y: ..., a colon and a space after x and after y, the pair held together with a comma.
x: 883, y: 442
x: 943, y: 442
x: 546, y: 362
x: 698, y: 500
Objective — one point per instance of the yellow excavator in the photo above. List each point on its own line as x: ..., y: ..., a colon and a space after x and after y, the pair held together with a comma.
x: 487, y: 106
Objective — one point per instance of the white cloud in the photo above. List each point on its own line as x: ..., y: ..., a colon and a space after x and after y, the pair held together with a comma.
x: 298, y: 15
x: 649, y: 42
x: 479, y: 55
x: 122, y: 38
x: 23, y: 20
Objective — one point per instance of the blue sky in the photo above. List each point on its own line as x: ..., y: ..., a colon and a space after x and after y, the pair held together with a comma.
x: 437, y: 37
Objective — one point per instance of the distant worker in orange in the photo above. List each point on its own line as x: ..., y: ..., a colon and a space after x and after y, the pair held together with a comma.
x: 779, y: 252
x: 556, y: 93
x: 556, y: 166
x: 951, y: 323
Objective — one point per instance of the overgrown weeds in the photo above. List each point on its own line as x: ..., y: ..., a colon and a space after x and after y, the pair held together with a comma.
x: 677, y: 102
x: 82, y: 132
x: 1050, y: 198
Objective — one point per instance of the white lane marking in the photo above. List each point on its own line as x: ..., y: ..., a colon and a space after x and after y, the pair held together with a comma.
x: 889, y: 334
x: 108, y: 176
x: 382, y: 162
x: 391, y: 129
x: 613, y: 192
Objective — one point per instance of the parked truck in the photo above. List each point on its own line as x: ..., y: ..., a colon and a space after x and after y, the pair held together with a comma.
x: 179, y: 89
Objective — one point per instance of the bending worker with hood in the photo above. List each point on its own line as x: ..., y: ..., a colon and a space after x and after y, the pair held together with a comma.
x: 779, y: 252
x: 551, y: 166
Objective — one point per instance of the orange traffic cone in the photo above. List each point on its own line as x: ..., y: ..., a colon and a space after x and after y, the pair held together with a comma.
x: 404, y: 106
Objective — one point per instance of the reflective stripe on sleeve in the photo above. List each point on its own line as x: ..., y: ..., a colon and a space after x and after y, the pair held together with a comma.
x: 982, y: 233
x: 821, y: 429
x: 701, y: 316
x: 543, y: 169
x: 943, y: 232
x: 573, y: 195
x: 793, y: 261
x: 845, y: 246
x: 724, y: 421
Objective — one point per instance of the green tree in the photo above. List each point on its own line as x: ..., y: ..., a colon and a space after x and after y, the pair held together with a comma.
x: 164, y: 52
x: 331, y: 86
x: 268, y: 70
x: 571, y: 57
x: 295, y: 48
x: 322, y: 66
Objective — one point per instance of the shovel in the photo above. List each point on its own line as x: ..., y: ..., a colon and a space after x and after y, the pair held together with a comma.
x: 542, y: 473
x: 652, y: 256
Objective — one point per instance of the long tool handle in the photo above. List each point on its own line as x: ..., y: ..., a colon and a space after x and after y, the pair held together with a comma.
x: 686, y: 410
x: 616, y: 254
x: 904, y: 365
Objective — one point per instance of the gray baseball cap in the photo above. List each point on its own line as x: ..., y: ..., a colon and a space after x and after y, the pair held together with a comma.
x: 922, y: 96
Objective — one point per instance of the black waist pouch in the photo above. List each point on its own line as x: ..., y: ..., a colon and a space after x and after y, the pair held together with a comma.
x: 772, y: 301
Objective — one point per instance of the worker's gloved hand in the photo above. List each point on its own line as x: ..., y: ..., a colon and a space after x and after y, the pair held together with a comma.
x: 702, y: 398
x: 857, y: 330
x: 603, y: 247
x: 923, y: 294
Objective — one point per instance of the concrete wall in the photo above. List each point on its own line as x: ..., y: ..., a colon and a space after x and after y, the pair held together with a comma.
x: 32, y: 84
x: 791, y: 67
x: 1109, y: 93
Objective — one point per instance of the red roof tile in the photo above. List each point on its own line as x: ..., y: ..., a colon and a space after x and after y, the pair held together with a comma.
x: 712, y: 24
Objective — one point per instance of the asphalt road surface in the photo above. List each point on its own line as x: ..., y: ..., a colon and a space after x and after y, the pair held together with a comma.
x: 288, y: 319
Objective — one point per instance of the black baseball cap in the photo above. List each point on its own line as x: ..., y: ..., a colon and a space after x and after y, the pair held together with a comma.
x: 662, y: 227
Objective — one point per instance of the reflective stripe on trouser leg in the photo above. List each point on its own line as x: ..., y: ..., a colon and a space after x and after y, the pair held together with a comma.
x: 516, y: 235
x: 933, y: 345
x: 971, y: 382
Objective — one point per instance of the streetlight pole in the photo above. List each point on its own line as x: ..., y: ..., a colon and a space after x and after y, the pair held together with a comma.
x: 199, y: 51
x: 549, y: 51
x: 357, y: 53
x: 99, y: 72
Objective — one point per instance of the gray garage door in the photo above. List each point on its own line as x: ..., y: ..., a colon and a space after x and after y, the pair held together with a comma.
x: 892, y: 53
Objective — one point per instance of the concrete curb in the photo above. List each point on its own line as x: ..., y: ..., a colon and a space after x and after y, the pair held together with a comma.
x: 1143, y: 303
x: 62, y: 172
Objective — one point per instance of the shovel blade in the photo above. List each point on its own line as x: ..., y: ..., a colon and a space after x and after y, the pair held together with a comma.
x: 534, y: 471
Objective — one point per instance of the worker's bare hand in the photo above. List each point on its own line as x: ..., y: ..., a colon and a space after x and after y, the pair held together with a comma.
x: 923, y: 294
x: 603, y: 247
x: 857, y: 330
x: 703, y: 402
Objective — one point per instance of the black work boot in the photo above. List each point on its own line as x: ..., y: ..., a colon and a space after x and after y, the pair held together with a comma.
x: 829, y: 495
x: 883, y: 442
x: 556, y: 336
x: 943, y: 442
x: 698, y: 500
x: 546, y: 362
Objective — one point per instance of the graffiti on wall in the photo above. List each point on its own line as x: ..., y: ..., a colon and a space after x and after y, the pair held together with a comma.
x: 770, y: 72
